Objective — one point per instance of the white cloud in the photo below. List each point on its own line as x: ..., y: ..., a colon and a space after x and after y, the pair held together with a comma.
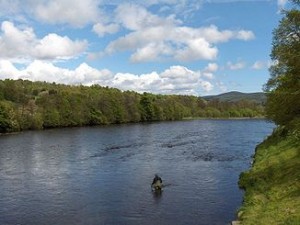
x: 143, y: 83
x: 54, y: 46
x: 174, y: 80
x: 281, y: 3
x: 151, y: 52
x: 153, y: 38
x: 258, y: 65
x: 139, y: 39
x: 74, y: 12
x: 236, y: 66
x: 22, y: 44
x: 8, y: 70
x: 45, y: 71
x: 102, y: 29
x: 88, y: 75
x: 197, y: 49
x: 209, y: 70
x: 135, y: 17
x: 181, y: 72
x: 9, y: 7
x: 211, y: 67
x: 14, y: 42
x: 172, y: 41
x: 214, y: 35
x: 206, y: 85
x: 245, y: 35
x: 185, y: 8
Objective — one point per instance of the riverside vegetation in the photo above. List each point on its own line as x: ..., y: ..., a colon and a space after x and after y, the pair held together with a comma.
x: 272, y: 185
x: 26, y: 105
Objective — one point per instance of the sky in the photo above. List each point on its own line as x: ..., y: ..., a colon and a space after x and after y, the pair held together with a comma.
x: 189, y: 47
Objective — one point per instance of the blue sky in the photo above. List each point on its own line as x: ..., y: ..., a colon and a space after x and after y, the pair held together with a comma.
x: 194, y: 47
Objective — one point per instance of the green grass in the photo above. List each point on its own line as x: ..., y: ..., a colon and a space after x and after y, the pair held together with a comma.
x: 272, y: 186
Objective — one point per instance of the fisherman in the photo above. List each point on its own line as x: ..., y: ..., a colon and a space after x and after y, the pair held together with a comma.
x: 156, y: 183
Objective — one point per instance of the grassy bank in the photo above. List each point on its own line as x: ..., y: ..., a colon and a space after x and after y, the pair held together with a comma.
x: 272, y: 186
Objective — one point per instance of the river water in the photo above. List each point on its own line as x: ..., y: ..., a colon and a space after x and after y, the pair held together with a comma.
x: 102, y: 175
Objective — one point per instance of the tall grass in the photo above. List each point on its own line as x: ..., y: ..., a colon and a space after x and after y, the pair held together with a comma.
x: 272, y: 185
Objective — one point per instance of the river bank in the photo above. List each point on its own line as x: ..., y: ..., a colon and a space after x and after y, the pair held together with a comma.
x: 138, y: 122
x: 272, y: 185
x: 225, y: 118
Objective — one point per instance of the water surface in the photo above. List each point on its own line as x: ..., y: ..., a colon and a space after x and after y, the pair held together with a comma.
x: 102, y: 175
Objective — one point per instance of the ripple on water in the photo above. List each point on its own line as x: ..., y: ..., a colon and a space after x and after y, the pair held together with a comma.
x: 102, y: 175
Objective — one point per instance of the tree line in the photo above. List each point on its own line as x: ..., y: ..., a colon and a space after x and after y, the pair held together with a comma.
x: 26, y: 105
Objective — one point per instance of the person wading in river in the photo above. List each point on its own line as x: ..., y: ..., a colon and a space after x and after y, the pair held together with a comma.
x: 156, y: 183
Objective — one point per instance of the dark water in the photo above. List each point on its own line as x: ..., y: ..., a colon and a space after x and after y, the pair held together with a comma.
x: 103, y: 175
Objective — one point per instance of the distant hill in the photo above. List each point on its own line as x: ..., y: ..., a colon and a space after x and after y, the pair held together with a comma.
x: 234, y: 96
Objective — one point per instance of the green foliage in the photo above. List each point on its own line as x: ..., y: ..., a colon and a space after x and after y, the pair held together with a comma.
x: 38, y: 105
x: 283, y: 87
x: 8, y: 121
x: 147, y: 108
x: 272, y: 185
x: 97, y: 117
x: 4, y: 118
x: 51, y: 118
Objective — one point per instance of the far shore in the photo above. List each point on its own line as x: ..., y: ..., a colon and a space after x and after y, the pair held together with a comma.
x: 183, y: 119
x: 224, y: 118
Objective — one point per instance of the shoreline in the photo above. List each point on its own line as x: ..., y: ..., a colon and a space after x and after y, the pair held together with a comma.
x: 267, y: 200
x: 224, y: 118
x: 103, y: 125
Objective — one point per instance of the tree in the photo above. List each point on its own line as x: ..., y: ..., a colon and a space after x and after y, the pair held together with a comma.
x: 283, y: 87
x: 147, y: 110
x: 8, y: 123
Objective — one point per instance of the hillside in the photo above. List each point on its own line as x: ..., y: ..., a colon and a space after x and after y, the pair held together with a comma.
x: 235, y: 96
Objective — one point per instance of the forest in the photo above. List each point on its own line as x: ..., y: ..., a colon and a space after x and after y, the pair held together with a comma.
x: 27, y: 105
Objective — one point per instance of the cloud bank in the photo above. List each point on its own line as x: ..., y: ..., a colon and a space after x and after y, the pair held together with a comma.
x: 19, y: 44
x: 153, y: 38
x: 174, y: 80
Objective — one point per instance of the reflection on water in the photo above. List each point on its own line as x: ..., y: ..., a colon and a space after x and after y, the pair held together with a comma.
x: 102, y: 175
x: 157, y: 195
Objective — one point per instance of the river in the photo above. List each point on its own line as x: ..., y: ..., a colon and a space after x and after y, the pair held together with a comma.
x: 102, y: 175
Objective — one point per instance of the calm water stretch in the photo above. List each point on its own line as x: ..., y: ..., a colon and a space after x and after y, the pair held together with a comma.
x: 102, y: 175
